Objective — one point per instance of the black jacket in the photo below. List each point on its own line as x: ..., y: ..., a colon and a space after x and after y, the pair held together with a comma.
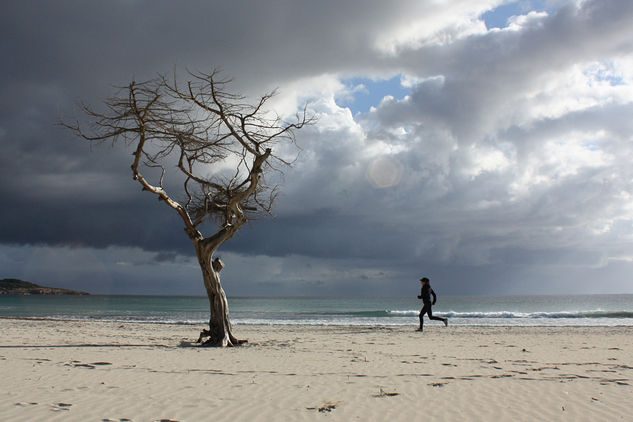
x: 426, y: 294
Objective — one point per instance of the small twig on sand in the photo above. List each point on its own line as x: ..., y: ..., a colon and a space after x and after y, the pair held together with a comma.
x: 327, y: 407
x: 385, y: 394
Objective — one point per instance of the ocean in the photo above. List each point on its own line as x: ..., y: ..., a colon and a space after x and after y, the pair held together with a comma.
x: 579, y: 310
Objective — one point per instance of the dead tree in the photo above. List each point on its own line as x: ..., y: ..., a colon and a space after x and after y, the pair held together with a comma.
x: 219, y: 146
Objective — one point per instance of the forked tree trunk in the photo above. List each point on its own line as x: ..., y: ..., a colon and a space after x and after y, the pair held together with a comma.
x: 220, y: 331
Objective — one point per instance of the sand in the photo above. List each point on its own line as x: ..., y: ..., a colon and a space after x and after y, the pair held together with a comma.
x: 101, y: 371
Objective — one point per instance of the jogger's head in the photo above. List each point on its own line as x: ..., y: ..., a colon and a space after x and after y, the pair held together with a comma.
x: 424, y: 280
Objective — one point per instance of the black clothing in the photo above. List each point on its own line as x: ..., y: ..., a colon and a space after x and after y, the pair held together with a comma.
x: 425, y: 295
x: 426, y: 309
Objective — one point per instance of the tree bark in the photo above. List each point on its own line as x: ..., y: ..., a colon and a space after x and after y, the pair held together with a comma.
x: 220, y: 329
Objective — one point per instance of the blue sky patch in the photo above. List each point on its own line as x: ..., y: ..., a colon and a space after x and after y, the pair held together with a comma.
x: 498, y: 17
x: 606, y: 72
x: 365, y: 93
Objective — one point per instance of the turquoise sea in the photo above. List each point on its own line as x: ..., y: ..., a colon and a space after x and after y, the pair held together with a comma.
x: 585, y: 310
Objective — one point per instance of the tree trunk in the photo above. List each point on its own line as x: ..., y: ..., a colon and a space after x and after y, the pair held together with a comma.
x: 219, y: 332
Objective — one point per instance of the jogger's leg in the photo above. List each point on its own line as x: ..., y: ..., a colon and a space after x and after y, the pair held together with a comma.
x: 444, y: 320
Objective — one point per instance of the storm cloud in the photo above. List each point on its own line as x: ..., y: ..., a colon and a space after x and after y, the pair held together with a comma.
x: 505, y: 168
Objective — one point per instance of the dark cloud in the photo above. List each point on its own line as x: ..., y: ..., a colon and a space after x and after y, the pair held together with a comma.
x: 509, y: 161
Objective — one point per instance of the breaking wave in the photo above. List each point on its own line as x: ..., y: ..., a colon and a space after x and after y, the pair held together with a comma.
x: 522, y: 315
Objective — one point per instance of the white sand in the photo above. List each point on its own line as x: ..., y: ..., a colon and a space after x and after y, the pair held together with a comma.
x: 95, y: 371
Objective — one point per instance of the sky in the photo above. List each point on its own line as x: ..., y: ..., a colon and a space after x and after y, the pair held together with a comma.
x: 484, y: 144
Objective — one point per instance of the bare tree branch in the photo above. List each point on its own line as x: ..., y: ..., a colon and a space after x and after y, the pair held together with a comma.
x: 184, y: 140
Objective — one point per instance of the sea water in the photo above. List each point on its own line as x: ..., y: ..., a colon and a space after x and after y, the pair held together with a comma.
x: 585, y: 310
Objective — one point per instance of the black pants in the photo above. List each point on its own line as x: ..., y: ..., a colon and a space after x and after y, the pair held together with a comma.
x: 426, y: 309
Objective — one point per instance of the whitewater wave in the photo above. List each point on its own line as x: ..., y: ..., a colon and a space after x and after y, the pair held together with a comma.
x: 476, y: 315
x: 522, y: 315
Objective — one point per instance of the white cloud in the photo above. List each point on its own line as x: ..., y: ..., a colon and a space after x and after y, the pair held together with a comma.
x: 435, y: 23
x: 518, y: 140
x: 512, y: 147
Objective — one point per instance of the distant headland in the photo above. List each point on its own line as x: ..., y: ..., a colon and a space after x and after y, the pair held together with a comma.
x: 13, y: 286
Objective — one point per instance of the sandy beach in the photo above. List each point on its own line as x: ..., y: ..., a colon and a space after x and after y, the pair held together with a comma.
x: 100, y: 371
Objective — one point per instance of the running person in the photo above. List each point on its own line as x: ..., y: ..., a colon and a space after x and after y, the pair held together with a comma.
x: 425, y: 295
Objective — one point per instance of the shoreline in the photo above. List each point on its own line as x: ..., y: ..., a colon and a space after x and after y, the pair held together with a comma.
x: 278, y: 324
x: 508, y: 311
x: 95, y: 370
